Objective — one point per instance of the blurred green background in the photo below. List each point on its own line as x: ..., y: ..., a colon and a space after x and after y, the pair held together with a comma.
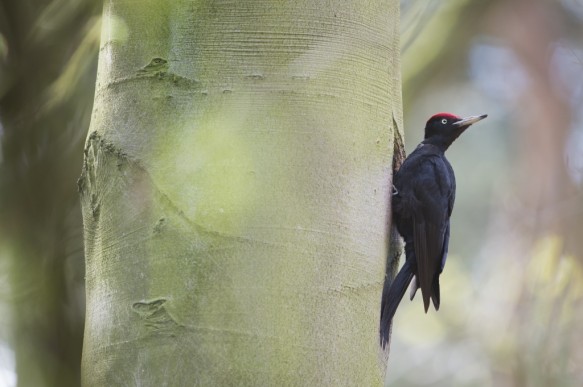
x: 512, y: 310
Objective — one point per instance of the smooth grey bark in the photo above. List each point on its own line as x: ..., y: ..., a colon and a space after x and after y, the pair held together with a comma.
x: 235, y: 192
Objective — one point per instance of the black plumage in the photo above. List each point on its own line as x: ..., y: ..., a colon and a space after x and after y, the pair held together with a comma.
x: 422, y: 203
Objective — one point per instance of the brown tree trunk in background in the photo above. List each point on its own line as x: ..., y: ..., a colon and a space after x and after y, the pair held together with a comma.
x: 235, y: 193
x: 549, y: 199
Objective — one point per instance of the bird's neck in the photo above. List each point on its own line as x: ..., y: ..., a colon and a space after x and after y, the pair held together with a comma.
x: 444, y: 140
x: 440, y: 142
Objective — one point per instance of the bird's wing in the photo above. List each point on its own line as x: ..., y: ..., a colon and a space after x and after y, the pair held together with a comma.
x: 428, y: 242
x: 435, y: 293
x: 430, y: 221
x: 445, y: 247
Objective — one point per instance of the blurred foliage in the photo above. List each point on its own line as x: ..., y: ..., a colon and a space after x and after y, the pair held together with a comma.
x: 513, y: 284
x: 48, y: 51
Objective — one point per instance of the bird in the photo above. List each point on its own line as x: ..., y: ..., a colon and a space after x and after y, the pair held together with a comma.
x: 422, y: 201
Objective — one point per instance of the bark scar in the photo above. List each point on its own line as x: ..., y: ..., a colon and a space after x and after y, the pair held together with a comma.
x: 158, y: 69
x: 395, y: 248
x: 155, y: 316
x: 395, y: 240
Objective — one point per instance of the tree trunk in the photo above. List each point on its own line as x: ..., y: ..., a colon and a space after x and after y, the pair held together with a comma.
x: 235, y: 192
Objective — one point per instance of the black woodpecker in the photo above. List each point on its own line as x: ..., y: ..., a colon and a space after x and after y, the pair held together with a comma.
x: 422, y: 202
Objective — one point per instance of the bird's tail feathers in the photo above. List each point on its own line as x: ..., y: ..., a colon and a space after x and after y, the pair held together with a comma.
x: 435, y: 296
x: 391, y: 299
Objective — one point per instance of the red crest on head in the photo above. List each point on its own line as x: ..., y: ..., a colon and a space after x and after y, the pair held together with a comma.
x: 444, y: 115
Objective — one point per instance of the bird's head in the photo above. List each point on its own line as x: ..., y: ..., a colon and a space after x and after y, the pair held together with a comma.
x: 443, y: 128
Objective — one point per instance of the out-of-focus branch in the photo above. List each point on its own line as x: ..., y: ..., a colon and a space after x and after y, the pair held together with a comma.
x: 550, y: 202
x: 42, y: 140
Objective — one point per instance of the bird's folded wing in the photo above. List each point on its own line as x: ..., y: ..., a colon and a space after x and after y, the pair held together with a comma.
x: 428, y: 242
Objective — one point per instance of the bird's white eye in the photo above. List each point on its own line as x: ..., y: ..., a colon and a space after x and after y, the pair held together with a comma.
x: 444, y: 121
